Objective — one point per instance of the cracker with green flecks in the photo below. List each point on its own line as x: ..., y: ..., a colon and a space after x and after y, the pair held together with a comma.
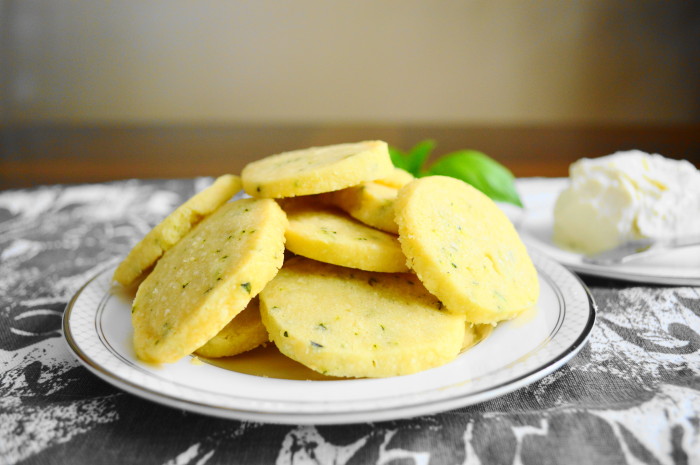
x: 344, y: 322
x: 465, y: 250
x: 371, y: 203
x: 207, y: 278
x: 396, y: 179
x: 174, y: 227
x: 316, y: 170
x: 245, y: 332
x: 329, y: 235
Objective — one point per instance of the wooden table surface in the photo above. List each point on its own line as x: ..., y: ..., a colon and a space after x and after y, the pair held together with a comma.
x: 49, y: 154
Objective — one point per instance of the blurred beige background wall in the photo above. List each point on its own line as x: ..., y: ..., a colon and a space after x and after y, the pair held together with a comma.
x: 192, y: 61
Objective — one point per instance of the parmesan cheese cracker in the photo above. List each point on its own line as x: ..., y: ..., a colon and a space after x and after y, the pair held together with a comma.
x: 330, y: 236
x: 245, y: 332
x: 207, y: 278
x: 174, y: 227
x: 371, y: 203
x: 352, y: 323
x: 316, y: 170
x: 465, y: 250
x: 396, y: 179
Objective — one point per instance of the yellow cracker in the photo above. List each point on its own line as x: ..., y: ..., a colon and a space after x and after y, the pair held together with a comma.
x: 370, y: 202
x: 465, y: 250
x: 330, y: 236
x: 245, y: 332
x: 357, y: 324
x: 396, y: 179
x: 316, y: 170
x: 207, y: 278
x: 174, y: 227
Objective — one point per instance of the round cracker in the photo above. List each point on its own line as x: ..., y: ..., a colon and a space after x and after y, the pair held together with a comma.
x: 358, y: 324
x: 371, y: 203
x: 207, y: 278
x: 396, y: 179
x: 329, y: 235
x: 174, y: 227
x: 465, y: 250
x: 245, y: 332
x: 316, y: 169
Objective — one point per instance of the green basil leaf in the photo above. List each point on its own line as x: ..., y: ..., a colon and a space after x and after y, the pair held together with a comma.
x: 398, y: 158
x: 482, y: 172
x: 418, y: 155
x: 413, y: 160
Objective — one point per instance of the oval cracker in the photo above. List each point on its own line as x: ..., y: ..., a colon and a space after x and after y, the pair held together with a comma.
x: 316, y: 170
x: 245, y: 332
x: 360, y: 324
x: 207, y: 278
x: 174, y: 227
x: 370, y: 202
x: 329, y: 235
x: 465, y: 250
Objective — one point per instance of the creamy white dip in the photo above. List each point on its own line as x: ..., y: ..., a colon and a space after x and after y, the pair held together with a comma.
x: 624, y: 196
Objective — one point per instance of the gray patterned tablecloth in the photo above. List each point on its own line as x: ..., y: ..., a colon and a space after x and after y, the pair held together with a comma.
x: 632, y: 395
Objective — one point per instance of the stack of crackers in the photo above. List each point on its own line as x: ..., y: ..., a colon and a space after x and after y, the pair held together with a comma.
x: 350, y: 266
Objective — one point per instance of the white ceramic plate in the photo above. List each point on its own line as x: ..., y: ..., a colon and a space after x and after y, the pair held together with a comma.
x: 97, y: 327
x: 679, y: 267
